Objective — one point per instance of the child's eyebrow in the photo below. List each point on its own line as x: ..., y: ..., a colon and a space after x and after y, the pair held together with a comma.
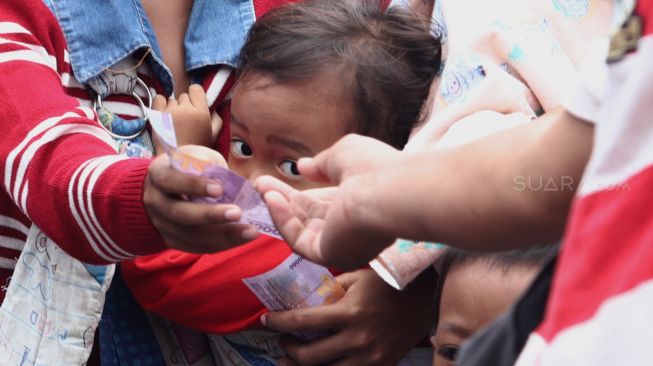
x: 235, y: 121
x: 291, y: 144
x: 456, y: 329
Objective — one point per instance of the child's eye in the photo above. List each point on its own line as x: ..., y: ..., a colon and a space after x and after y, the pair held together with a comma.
x: 240, y: 148
x: 448, y: 352
x: 289, y: 169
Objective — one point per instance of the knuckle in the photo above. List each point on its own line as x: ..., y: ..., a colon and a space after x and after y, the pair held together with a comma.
x: 303, y: 356
x: 148, y: 198
x: 156, y: 172
x: 377, y: 357
x: 355, y: 311
x: 363, y: 340
x: 297, y: 318
x: 176, y: 212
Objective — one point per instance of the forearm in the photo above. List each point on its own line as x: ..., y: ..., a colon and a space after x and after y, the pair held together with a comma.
x: 57, y: 165
x: 507, y: 190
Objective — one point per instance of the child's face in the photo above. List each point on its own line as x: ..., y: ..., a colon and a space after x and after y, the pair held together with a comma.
x: 474, y: 294
x: 273, y: 125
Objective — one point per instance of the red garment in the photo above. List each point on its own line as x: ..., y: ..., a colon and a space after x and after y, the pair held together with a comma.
x: 205, y: 292
x: 46, y: 139
x: 600, y: 306
x: 263, y: 6
x: 49, y: 132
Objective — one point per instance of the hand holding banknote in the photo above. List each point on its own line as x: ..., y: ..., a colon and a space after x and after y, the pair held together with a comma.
x: 372, y: 324
x: 197, y: 227
x: 190, y: 226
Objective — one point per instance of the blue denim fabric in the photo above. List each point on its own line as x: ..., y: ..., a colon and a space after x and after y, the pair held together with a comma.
x: 102, y: 32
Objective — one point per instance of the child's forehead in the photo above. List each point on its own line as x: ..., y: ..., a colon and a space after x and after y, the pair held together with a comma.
x: 327, y: 82
x: 323, y: 93
x: 311, y: 113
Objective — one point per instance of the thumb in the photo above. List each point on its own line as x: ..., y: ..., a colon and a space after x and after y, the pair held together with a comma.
x: 314, y: 169
x: 331, y: 165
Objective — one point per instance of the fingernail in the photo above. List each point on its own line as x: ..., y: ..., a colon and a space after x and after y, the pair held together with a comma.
x: 232, y: 214
x: 249, y: 234
x: 264, y: 320
x: 214, y: 190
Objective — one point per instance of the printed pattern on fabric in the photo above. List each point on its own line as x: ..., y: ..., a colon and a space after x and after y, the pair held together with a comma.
x: 38, y: 321
x: 507, y: 62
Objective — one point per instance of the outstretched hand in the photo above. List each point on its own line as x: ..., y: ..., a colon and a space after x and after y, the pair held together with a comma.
x: 333, y: 226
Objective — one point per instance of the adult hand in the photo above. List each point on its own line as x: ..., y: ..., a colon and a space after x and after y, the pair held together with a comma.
x: 191, y: 226
x: 373, y: 324
x: 323, y: 230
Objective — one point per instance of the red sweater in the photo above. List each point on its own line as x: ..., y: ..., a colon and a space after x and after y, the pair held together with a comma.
x: 49, y: 136
x: 46, y: 145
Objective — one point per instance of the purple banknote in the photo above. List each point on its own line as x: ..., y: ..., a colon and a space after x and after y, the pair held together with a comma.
x: 237, y: 190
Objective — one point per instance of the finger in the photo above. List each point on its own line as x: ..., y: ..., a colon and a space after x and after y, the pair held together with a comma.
x: 311, y: 170
x: 347, y: 279
x: 189, y: 213
x: 330, y: 164
x: 183, y: 99
x: 308, y: 243
x: 287, y: 362
x: 317, y: 352
x: 302, y: 237
x: 159, y: 103
x: 266, y: 183
x: 171, y: 181
x: 357, y: 361
x: 324, y: 194
x: 207, y: 239
x: 282, y: 215
x: 319, y: 318
x: 198, y: 96
x: 216, y: 125
x: 288, y: 224
x: 313, y: 207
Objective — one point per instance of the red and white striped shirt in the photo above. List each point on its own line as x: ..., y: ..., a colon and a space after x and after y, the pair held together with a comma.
x: 600, y: 310
x: 58, y: 167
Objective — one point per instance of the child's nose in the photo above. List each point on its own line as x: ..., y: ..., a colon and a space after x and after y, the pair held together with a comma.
x: 257, y: 172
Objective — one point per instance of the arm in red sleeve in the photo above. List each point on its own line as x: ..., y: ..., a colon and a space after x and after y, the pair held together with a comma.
x: 57, y: 165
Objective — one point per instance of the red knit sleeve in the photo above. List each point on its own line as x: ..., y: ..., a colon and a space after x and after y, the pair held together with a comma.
x: 57, y: 165
x: 205, y: 292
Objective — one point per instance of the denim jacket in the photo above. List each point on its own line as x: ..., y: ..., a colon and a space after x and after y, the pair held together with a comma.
x: 216, y: 31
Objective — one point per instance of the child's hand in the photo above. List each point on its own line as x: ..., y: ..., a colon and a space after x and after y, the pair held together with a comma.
x: 191, y: 116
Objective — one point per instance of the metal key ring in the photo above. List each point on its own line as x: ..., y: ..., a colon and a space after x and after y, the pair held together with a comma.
x: 97, y: 103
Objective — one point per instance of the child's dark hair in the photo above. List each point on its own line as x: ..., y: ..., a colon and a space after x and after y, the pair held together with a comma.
x: 502, y: 260
x: 388, y: 59
x: 531, y: 257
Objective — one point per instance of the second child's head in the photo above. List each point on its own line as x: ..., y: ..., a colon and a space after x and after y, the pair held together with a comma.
x: 474, y: 289
x: 313, y: 72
